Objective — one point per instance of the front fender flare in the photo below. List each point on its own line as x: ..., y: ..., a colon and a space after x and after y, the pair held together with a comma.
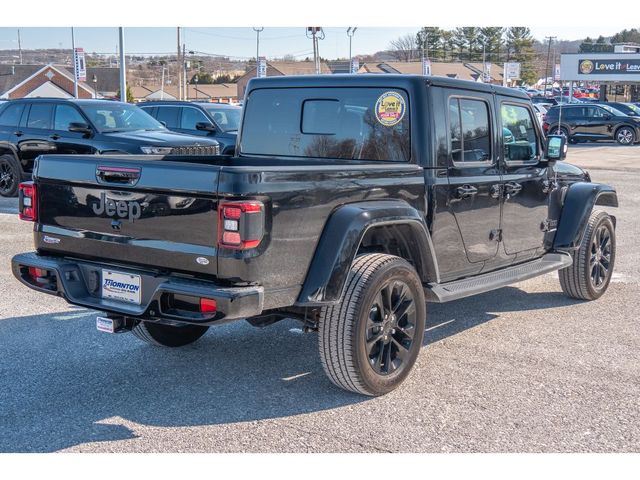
x: 341, y: 238
x: 577, y: 205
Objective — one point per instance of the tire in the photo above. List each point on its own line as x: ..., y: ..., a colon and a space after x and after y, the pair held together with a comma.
x: 394, y: 328
x: 625, y: 136
x: 9, y: 176
x: 168, y: 335
x: 593, y: 262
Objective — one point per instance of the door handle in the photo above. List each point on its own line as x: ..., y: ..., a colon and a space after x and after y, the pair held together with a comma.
x: 54, y: 136
x: 466, y: 191
x: 512, y: 188
x: 18, y: 133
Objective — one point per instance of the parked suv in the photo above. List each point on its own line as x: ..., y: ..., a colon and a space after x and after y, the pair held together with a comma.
x: 217, y: 120
x: 36, y: 126
x: 582, y: 122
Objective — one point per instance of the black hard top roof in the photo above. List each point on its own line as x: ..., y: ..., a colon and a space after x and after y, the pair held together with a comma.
x: 379, y: 80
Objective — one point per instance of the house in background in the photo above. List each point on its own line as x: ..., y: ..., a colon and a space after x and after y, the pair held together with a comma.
x: 277, y: 69
x: 218, y: 93
x: 28, y: 81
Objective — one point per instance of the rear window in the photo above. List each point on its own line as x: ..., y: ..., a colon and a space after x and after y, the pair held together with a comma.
x: 40, y: 116
x: 341, y: 123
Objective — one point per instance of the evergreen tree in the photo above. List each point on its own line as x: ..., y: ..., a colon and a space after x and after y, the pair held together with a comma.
x: 519, y: 43
x: 492, y: 39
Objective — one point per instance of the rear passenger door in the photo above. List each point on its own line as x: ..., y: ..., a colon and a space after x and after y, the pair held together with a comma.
x: 525, y: 191
x: 474, y: 176
x: 34, y: 135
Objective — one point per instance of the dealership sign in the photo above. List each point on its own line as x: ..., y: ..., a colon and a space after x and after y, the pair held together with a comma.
x: 262, y: 67
x: 608, y: 65
x: 80, y: 66
x: 603, y: 67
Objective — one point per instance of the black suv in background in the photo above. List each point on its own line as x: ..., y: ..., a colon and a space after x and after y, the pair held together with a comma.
x: 626, y: 108
x: 582, y: 122
x: 37, y: 126
x: 217, y: 120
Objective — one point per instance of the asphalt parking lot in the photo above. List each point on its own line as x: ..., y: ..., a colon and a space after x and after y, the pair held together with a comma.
x: 522, y: 369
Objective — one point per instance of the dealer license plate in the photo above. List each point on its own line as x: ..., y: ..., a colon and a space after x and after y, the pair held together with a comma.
x: 122, y: 287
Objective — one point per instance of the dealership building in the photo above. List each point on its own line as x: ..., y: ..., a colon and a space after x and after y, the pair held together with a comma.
x: 617, y: 72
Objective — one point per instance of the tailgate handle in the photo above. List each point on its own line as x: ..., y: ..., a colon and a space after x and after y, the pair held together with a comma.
x: 121, y: 175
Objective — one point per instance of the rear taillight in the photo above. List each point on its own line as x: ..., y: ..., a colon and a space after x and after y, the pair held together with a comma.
x: 240, y: 225
x: 208, y: 305
x: 28, y: 201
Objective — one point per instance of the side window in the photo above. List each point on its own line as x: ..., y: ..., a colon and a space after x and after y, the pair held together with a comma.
x: 470, y: 132
x: 66, y: 114
x: 40, y: 116
x: 191, y: 116
x: 519, y: 134
x: 10, y: 116
x: 168, y: 115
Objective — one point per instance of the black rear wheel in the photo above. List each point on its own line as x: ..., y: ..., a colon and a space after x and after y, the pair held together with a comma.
x: 9, y: 176
x: 370, y: 340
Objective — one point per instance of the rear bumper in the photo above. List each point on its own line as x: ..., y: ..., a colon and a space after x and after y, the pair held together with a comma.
x: 79, y: 282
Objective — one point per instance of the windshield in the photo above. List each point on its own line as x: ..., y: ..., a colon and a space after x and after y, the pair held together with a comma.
x: 120, y: 118
x: 228, y: 119
x: 633, y: 107
x: 614, y: 111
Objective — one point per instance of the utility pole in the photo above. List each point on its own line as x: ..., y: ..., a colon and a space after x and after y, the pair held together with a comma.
x: 314, y: 31
x: 351, y: 31
x: 75, y: 66
x: 546, y: 70
x: 484, y: 64
x: 123, y: 70
x: 179, y: 68
x: 184, y: 70
x: 258, y: 30
x: 19, y: 47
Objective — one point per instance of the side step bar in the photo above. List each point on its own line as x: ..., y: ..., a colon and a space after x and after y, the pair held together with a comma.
x: 446, y: 292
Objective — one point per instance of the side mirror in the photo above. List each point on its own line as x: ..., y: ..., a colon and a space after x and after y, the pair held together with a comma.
x: 80, y: 127
x: 163, y: 123
x: 556, y: 148
x: 607, y: 116
x: 206, y: 126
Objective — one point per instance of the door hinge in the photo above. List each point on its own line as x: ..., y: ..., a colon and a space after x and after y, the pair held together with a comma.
x: 496, y: 235
x: 549, y: 225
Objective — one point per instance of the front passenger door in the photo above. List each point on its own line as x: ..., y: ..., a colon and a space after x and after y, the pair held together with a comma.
x: 70, y: 142
x: 525, y: 188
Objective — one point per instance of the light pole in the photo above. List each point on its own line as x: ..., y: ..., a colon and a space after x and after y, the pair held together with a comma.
x: 546, y: 70
x: 484, y: 64
x: 351, y: 31
x: 94, y: 80
x: 258, y: 30
x: 195, y: 80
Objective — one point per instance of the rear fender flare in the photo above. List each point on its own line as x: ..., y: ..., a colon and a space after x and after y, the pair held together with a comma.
x: 342, y: 236
x: 578, y: 202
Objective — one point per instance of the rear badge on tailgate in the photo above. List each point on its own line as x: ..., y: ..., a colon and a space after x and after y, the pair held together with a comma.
x: 50, y: 240
x: 202, y: 261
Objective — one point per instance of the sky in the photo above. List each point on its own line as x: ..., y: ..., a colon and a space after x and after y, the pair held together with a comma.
x: 240, y: 42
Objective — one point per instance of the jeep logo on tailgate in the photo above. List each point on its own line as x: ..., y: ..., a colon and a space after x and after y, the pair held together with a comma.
x: 121, y: 209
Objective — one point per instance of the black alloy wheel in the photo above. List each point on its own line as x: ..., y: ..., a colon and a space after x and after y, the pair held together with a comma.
x: 600, y: 260
x: 9, y: 176
x: 391, y: 328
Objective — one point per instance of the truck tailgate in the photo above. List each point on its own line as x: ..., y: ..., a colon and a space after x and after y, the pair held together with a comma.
x: 131, y: 209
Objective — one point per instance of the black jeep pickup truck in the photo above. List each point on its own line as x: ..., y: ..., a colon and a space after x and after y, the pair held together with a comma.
x: 351, y: 201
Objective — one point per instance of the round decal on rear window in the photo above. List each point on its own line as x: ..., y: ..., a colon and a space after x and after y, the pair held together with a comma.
x: 390, y: 108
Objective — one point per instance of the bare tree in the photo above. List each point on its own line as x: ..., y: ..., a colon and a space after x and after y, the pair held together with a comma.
x: 404, y: 48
